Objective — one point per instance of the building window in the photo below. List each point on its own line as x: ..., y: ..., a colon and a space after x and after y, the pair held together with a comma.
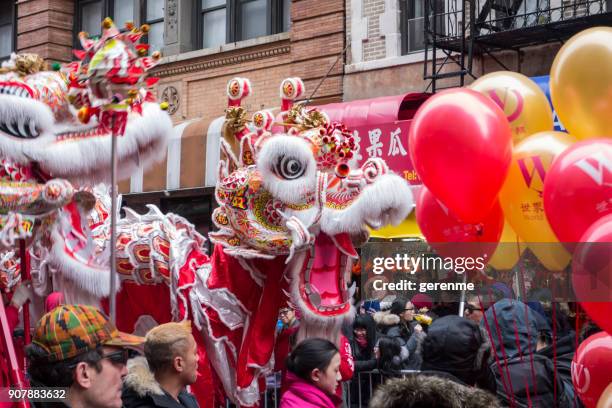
x: 90, y: 14
x: 413, y: 23
x: 154, y: 17
x: 226, y: 21
x: 7, y: 30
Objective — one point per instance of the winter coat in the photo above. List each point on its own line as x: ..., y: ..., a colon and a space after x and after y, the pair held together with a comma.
x: 565, y: 349
x: 430, y: 391
x: 531, y: 374
x: 302, y: 394
x: 457, y: 346
x: 364, y: 358
x: 390, y: 325
x: 141, y: 390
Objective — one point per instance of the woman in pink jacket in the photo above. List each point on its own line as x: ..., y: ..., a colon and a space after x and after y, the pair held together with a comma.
x: 313, y: 375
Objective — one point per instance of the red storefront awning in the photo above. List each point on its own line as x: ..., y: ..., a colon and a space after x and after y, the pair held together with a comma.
x: 381, y: 125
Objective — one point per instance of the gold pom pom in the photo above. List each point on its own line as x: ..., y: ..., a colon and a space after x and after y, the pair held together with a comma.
x: 156, y: 55
x: 132, y: 93
x: 145, y: 28
x: 84, y: 114
x: 164, y: 105
x: 129, y: 25
x: 83, y: 34
x: 142, y: 52
x: 107, y: 23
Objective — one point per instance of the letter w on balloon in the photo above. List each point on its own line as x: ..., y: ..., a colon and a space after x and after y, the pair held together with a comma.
x: 601, y: 173
x: 529, y: 176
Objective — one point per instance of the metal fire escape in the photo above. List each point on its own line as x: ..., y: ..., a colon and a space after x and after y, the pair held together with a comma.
x: 458, y: 31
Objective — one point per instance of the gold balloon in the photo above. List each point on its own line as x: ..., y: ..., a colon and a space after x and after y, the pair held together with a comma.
x: 521, y: 195
x: 605, y: 400
x: 508, y: 251
x: 525, y: 105
x: 581, y: 83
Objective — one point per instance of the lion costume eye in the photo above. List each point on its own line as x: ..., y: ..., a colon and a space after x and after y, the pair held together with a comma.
x: 289, y: 168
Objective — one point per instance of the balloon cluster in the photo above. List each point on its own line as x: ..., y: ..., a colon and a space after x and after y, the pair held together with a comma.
x: 493, y: 168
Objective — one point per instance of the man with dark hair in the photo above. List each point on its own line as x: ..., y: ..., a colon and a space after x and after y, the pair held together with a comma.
x: 170, y: 364
x: 76, y: 347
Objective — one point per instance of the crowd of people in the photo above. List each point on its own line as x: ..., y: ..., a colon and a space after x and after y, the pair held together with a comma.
x: 418, y: 353
x: 501, y: 352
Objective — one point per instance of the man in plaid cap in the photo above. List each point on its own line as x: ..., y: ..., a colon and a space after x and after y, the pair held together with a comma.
x: 77, y: 347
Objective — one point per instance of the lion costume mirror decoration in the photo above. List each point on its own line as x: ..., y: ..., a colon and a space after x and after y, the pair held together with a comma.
x: 290, y: 211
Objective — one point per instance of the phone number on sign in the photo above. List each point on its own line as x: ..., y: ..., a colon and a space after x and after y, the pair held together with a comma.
x: 33, y: 394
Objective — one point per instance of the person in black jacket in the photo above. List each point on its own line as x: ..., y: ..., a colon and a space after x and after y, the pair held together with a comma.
x: 524, y: 378
x: 399, y: 324
x: 362, y: 340
x: 171, y: 364
x: 458, y: 347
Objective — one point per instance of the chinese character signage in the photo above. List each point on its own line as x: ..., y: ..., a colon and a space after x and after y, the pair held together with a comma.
x: 388, y: 141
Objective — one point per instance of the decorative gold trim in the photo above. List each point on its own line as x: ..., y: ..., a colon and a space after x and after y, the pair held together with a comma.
x: 220, y: 62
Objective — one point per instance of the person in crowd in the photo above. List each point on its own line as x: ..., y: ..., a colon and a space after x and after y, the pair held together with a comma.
x: 419, y: 391
x: 476, y: 304
x: 347, y: 363
x: 399, y: 323
x: 77, y: 347
x: 589, y: 329
x: 563, y: 350
x: 285, y: 336
x: 446, y: 304
x: 363, y: 342
x: 391, y: 356
x: 313, y: 376
x: 422, y: 303
x: 21, y: 294
x: 514, y: 329
x: 457, y: 348
x: 169, y: 365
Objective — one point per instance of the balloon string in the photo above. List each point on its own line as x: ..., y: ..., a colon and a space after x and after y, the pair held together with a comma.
x: 518, y: 341
x: 499, y: 368
x: 531, y: 356
x: 503, y: 349
x: 554, y: 340
x: 528, y: 393
x: 576, y: 344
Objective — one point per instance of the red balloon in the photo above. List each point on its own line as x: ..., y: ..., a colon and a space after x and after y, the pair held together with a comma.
x: 592, y: 272
x: 578, y: 189
x: 453, y: 238
x: 591, y: 372
x: 461, y: 147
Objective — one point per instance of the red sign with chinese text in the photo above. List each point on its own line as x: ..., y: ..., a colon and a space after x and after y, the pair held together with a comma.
x: 389, y: 142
